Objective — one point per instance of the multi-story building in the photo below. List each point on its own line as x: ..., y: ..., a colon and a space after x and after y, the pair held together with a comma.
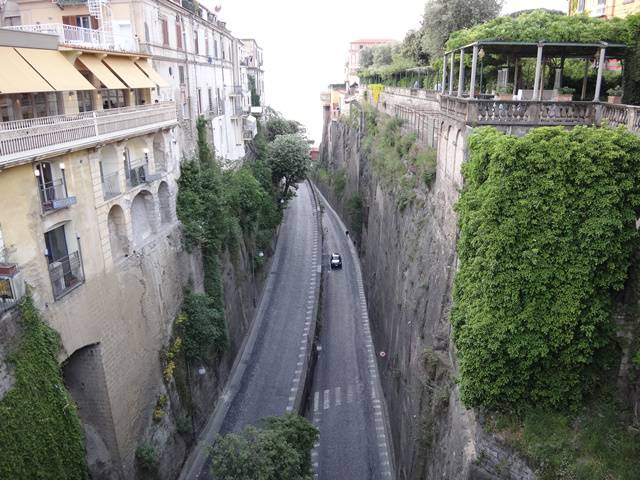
x: 190, y: 47
x: 605, y: 8
x: 88, y: 162
x: 253, y: 60
x: 355, y: 52
x: 99, y: 103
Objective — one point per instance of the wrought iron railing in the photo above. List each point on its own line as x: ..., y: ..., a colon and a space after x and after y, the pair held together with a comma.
x: 53, y: 195
x: 66, y: 273
x: 138, y: 173
x: 111, y: 185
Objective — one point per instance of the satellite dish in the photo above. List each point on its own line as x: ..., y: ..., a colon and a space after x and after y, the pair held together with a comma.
x: 217, y: 8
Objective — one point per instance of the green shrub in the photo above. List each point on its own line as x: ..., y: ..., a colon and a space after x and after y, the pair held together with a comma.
x: 40, y: 431
x: 280, y: 449
x: 203, y: 327
x: 547, y: 226
x: 147, y: 457
x: 183, y: 425
x: 354, y: 207
x: 339, y: 182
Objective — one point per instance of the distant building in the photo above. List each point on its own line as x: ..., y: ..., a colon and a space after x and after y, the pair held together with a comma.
x: 605, y: 8
x: 355, y: 51
x: 254, y: 61
x: 314, y: 153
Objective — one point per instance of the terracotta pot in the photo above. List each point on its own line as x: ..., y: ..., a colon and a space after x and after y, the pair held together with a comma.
x: 616, y: 99
x: 504, y: 97
x: 564, y: 97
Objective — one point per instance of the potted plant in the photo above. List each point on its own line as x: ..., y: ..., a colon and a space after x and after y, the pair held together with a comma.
x: 615, y: 94
x: 505, y: 92
x: 565, y: 94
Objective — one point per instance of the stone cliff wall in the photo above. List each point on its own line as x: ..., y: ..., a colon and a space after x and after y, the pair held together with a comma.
x: 409, y: 261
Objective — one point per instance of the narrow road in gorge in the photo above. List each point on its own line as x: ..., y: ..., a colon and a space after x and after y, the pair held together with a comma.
x: 273, y: 366
x: 346, y: 401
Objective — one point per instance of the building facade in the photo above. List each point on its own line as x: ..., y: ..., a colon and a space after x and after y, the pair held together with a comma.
x: 190, y: 48
x: 99, y: 104
x: 254, y: 62
x: 355, y: 51
x: 605, y: 8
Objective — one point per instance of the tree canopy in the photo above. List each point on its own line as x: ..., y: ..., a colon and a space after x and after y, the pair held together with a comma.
x: 443, y: 17
x: 288, y: 157
x: 280, y: 449
x: 537, y: 25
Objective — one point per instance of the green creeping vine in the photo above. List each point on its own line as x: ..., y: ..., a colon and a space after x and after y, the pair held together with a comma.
x: 40, y: 432
x: 547, y: 228
x: 216, y: 209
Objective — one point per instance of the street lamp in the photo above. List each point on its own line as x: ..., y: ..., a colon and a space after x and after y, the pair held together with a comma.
x: 481, y: 55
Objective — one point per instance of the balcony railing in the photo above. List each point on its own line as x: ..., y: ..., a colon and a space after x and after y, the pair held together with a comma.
x: 247, y: 134
x: 53, y: 195
x: 111, y: 185
x: 72, y: 36
x: 66, y: 273
x: 12, y: 287
x: 24, y: 139
x: 137, y: 174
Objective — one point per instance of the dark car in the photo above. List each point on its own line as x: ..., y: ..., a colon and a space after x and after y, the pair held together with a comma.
x: 336, y: 261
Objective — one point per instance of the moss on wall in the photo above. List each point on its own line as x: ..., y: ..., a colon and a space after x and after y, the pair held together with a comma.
x: 40, y: 432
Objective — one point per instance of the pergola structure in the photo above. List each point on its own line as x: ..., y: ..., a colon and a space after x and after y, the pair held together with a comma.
x: 600, y: 51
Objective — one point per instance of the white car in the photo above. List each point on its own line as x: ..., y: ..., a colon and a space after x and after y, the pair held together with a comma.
x: 336, y: 261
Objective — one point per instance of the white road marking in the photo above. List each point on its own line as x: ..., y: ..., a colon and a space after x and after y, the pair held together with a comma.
x: 338, y: 397
x: 316, y: 399
x: 349, y: 393
x: 327, y: 400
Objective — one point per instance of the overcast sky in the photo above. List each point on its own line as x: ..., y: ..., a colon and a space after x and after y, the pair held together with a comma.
x: 305, y: 42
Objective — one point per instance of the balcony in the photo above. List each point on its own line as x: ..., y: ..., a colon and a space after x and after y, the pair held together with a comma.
x: 66, y: 273
x: 137, y: 174
x: 64, y: 3
x: 539, y: 113
x: 12, y: 287
x: 111, y: 186
x: 54, y: 195
x: 72, y: 36
x: 247, y: 135
x: 24, y: 140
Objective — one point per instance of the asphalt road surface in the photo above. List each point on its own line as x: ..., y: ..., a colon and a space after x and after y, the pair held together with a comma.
x: 269, y: 381
x: 345, y: 401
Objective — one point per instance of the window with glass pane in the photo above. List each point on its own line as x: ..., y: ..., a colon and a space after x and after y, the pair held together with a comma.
x: 85, y: 101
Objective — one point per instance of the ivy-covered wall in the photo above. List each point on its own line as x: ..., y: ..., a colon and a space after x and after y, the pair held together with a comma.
x: 547, y: 228
x: 40, y: 432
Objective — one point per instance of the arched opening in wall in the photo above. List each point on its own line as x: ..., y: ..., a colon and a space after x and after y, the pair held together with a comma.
x: 159, y: 154
x: 109, y: 165
x: 164, y: 198
x: 136, y: 161
x: 142, y: 217
x: 117, y: 232
x: 84, y: 377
